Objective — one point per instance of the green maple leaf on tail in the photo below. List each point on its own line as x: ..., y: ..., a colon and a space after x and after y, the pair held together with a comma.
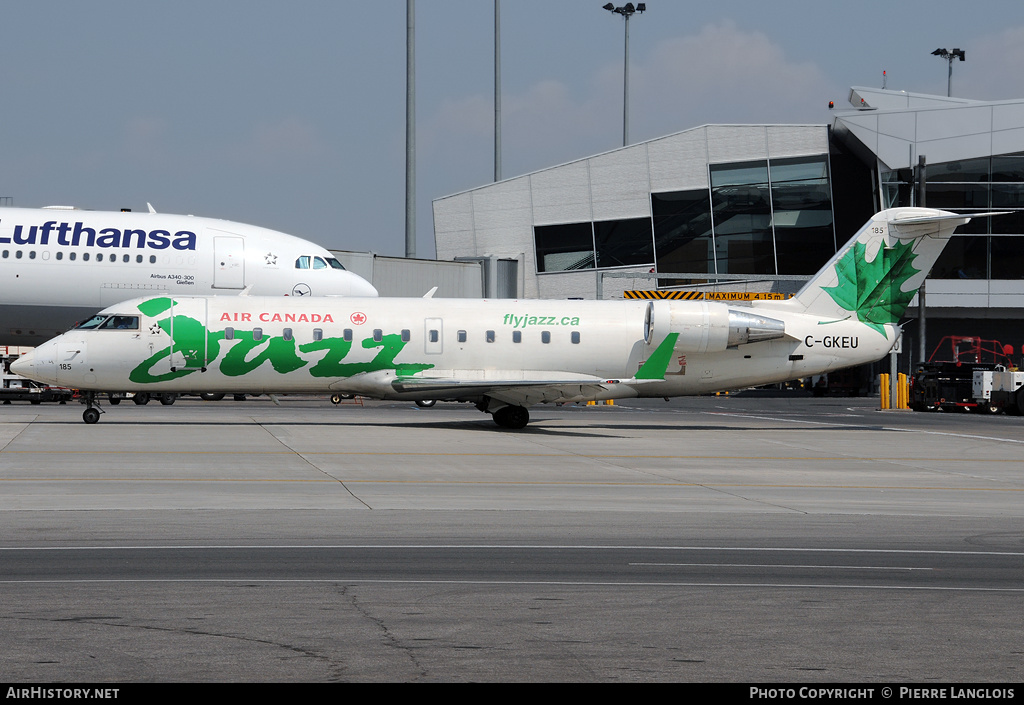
x: 873, y: 290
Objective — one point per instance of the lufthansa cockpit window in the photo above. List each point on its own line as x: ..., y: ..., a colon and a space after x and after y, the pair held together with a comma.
x: 302, y: 262
x: 335, y: 264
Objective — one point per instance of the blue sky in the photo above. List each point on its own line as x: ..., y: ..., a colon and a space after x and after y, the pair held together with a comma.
x: 291, y: 115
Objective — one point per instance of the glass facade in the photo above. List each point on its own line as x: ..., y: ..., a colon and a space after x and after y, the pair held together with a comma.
x: 758, y: 217
x: 985, y: 248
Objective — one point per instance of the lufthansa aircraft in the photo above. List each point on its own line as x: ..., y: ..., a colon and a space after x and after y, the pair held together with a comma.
x: 505, y: 355
x: 59, y: 265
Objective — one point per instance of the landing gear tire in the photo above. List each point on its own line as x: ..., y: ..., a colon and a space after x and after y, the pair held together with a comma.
x: 168, y: 399
x: 141, y: 398
x: 425, y: 403
x: 91, y: 415
x: 514, y: 417
x: 239, y: 397
x: 114, y: 401
x: 210, y: 396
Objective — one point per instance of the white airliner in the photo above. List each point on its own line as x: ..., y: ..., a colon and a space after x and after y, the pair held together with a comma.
x: 505, y: 355
x: 59, y: 265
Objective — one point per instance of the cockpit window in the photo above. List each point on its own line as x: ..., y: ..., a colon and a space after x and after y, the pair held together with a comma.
x: 117, y: 322
x: 335, y: 264
x: 302, y: 262
x: 318, y: 263
x: 93, y: 322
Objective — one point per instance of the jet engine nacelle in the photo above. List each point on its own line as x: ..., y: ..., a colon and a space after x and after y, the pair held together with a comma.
x: 708, y: 327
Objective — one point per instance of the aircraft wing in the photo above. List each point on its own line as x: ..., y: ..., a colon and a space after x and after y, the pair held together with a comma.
x: 513, y: 387
x: 522, y: 392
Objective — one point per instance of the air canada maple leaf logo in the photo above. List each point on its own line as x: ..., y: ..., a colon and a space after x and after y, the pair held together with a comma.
x: 873, y: 290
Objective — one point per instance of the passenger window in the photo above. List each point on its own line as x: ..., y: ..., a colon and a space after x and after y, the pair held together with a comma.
x: 462, y: 336
x: 60, y: 255
x: 17, y: 254
x: 406, y: 336
x: 229, y: 333
x: 434, y: 336
x: 318, y: 334
x: 138, y: 259
x: 99, y: 256
x: 32, y: 254
x: 287, y: 333
x: 517, y: 336
x: 72, y: 255
x: 575, y: 337
x: 257, y: 334
x: 152, y: 259
x: 6, y: 253
x: 127, y: 258
x: 378, y: 335
x: 85, y: 256
x: 347, y: 335
x: 490, y: 336
x: 545, y: 336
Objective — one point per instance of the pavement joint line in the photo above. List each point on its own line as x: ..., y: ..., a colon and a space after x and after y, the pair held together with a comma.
x: 567, y: 583
x: 503, y: 483
x: 566, y: 454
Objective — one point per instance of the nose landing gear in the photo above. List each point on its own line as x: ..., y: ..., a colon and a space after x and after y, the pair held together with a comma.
x: 92, y: 410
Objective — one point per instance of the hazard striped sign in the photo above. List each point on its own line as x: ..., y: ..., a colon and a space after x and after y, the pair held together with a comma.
x: 707, y: 295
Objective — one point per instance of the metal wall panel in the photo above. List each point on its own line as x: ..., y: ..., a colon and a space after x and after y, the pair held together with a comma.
x: 797, y: 140
x: 561, y: 194
x: 679, y: 162
x: 620, y: 185
x: 736, y: 143
x: 453, y: 225
x: 953, y: 122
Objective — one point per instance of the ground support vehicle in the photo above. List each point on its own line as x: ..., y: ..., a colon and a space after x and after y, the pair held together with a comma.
x: 999, y: 390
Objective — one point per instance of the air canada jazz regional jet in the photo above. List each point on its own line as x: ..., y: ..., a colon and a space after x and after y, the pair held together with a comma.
x: 59, y: 265
x: 506, y: 355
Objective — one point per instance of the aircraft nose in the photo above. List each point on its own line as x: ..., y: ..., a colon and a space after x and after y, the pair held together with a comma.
x: 361, y: 287
x: 39, y: 364
x: 24, y: 365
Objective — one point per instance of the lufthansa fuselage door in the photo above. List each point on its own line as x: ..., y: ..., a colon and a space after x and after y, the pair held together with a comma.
x: 228, y: 261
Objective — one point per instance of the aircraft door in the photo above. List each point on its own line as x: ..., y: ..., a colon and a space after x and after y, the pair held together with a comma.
x: 228, y: 262
x: 433, y: 330
x: 187, y: 347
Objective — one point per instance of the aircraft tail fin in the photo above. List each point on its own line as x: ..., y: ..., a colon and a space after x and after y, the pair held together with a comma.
x: 877, y: 273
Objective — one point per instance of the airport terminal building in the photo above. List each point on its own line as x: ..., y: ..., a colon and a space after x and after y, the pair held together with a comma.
x: 762, y: 207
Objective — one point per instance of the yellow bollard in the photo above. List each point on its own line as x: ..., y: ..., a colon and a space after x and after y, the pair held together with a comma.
x: 903, y: 391
x: 883, y: 383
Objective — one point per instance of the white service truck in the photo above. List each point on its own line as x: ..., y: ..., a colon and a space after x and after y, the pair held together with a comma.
x: 999, y: 390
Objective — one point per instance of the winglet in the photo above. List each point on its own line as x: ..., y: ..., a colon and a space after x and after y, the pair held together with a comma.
x: 430, y: 294
x: 657, y: 364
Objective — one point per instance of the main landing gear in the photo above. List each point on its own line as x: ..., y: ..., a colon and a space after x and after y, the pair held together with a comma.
x: 514, y: 417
